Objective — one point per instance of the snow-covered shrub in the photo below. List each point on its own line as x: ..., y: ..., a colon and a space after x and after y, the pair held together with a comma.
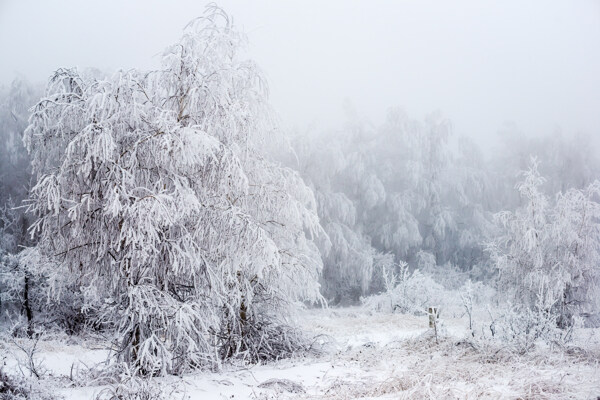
x: 277, y: 337
x: 20, y: 388
x: 155, y: 196
x: 406, y: 292
x: 521, y: 328
x: 517, y: 329
x: 134, y: 388
x: 475, y: 299
x: 20, y: 286
x: 448, y: 275
x: 27, y: 355
x: 27, y: 303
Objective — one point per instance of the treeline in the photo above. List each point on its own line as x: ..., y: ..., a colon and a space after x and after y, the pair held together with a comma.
x: 408, y: 191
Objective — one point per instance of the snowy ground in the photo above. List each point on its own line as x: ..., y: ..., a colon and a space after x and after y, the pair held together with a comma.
x: 377, y: 356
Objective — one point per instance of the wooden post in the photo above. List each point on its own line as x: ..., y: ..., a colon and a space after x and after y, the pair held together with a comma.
x: 433, y: 316
x: 433, y: 313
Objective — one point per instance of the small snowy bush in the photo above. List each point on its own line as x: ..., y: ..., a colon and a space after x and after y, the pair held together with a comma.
x: 135, y: 389
x: 406, y: 292
x: 448, y: 274
x: 20, y: 388
x: 522, y: 328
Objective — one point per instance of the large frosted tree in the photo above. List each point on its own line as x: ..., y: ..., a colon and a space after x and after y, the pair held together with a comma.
x: 155, y: 197
x: 548, y: 251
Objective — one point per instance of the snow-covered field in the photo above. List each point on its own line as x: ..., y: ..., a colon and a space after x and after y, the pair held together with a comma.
x: 364, y: 356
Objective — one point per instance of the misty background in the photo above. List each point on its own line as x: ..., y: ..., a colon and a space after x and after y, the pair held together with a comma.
x: 532, y: 65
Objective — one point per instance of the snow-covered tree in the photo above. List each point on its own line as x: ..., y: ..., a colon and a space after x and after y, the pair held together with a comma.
x: 15, y: 102
x: 549, y: 252
x: 394, y: 191
x: 154, y: 197
x: 410, y: 159
x: 576, y: 228
x: 567, y: 161
x: 16, y: 283
x: 349, y: 260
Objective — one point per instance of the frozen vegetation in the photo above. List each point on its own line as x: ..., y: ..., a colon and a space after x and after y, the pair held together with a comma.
x: 162, y: 237
x: 362, y: 355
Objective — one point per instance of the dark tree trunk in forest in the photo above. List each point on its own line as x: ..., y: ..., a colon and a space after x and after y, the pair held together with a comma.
x: 27, y: 307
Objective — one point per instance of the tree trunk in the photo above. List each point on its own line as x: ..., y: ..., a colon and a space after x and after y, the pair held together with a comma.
x: 27, y: 307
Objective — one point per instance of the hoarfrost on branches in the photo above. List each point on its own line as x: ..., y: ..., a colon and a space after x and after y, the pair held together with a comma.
x: 153, y: 192
x: 549, y: 250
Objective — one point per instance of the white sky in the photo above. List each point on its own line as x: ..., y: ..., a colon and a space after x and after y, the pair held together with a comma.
x: 482, y: 63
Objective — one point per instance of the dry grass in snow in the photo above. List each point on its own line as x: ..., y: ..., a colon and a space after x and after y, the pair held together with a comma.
x: 368, y: 356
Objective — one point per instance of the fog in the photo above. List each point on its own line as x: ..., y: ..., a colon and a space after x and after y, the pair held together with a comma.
x: 534, y: 64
